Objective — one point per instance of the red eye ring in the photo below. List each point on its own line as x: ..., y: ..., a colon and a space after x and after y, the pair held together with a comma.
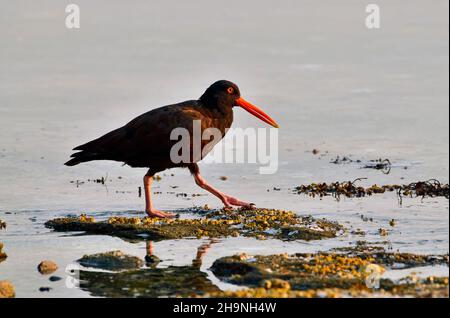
x: 230, y: 90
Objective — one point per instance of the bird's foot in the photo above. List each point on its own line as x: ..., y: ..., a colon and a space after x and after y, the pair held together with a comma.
x: 229, y: 201
x: 159, y: 214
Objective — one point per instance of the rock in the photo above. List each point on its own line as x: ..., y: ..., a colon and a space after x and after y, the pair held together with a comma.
x: 254, y: 222
x: 315, y: 275
x: 152, y: 260
x: 2, y: 225
x: 113, y: 261
x: 7, y: 290
x: 3, y: 256
x: 47, y: 267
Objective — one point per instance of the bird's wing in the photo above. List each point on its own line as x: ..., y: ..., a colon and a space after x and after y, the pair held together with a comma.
x: 147, y: 135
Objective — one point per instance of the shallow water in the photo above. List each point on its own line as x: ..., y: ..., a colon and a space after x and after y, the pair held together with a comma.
x: 330, y: 83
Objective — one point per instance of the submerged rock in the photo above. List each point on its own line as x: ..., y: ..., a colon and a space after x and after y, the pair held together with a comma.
x: 184, y: 281
x: 258, y: 223
x: 47, y: 267
x: 113, y: 261
x: 7, y: 290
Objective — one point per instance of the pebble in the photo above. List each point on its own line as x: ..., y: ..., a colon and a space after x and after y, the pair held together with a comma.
x: 47, y: 267
x: 7, y: 290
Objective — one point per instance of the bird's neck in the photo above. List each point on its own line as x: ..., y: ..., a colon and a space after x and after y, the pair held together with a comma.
x: 222, y: 115
x: 217, y: 107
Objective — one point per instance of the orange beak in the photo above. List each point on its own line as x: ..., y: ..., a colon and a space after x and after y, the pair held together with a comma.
x: 255, y: 111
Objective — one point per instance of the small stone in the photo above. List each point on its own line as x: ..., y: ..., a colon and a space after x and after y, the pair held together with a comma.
x: 7, y: 290
x: 316, y: 151
x: 54, y: 278
x: 47, y: 267
x: 223, y: 178
x: 392, y: 222
x: 45, y: 289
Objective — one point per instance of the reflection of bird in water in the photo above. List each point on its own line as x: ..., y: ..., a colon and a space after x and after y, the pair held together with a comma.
x: 152, y: 260
x: 201, y: 252
x: 171, y: 281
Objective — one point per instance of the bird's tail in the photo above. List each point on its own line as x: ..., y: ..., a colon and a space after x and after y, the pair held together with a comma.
x: 80, y: 157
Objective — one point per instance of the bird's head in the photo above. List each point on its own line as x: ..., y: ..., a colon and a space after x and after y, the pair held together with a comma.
x: 225, y: 95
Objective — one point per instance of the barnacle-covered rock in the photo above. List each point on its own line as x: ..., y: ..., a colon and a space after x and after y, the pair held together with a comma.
x: 173, y: 281
x: 349, y: 271
x: 430, y: 287
x: 257, y: 223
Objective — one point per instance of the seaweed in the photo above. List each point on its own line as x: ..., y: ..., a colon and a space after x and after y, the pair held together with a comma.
x: 383, y: 165
x: 379, y: 164
x: 431, y: 188
x: 344, y: 160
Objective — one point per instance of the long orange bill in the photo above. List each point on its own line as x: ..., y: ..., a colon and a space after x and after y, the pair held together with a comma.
x: 255, y: 111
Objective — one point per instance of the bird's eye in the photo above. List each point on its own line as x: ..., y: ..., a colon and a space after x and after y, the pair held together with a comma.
x: 230, y: 90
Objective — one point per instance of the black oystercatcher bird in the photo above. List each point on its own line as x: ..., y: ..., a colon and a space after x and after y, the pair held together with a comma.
x: 145, y: 141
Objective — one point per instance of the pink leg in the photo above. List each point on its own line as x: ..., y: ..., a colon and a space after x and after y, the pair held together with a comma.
x: 226, y: 199
x: 148, y: 200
